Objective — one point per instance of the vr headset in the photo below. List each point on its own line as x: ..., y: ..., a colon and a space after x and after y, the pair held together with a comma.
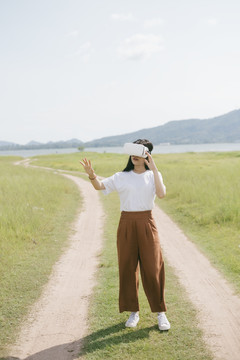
x: 135, y: 149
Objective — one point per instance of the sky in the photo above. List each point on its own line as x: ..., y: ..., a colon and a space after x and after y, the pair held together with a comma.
x: 92, y: 68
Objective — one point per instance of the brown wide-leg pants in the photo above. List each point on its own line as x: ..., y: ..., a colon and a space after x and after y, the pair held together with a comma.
x: 138, y: 246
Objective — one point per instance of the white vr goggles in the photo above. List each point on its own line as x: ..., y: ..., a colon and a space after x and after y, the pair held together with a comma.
x: 135, y: 149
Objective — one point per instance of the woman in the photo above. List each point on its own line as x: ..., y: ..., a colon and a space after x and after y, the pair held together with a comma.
x: 137, y: 237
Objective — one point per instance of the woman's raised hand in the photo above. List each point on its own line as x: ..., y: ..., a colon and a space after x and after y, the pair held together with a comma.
x: 150, y: 162
x: 87, y: 166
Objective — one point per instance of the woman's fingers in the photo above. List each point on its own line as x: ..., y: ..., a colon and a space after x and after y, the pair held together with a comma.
x: 149, y: 155
x: 150, y: 162
x: 83, y: 163
x: 87, y: 162
x: 87, y: 165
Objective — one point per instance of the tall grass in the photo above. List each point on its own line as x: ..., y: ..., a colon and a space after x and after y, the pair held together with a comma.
x: 36, y: 210
x: 203, y: 196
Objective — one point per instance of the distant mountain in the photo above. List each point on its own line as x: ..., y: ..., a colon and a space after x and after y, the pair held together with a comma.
x: 73, y: 143
x: 6, y: 143
x: 220, y: 129
x: 33, y: 143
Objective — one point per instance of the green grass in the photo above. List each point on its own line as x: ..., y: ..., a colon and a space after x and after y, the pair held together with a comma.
x: 109, y: 339
x: 36, y: 210
x: 104, y: 164
x: 203, y: 197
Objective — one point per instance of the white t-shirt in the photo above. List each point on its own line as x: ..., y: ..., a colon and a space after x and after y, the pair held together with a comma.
x: 136, y: 191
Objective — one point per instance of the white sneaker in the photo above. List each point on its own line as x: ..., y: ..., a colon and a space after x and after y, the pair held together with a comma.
x: 133, y: 320
x: 163, y: 322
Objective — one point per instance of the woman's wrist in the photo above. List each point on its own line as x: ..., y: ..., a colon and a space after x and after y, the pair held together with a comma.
x: 92, y: 176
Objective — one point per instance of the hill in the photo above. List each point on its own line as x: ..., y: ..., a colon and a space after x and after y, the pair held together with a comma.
x: 73, y: 143
x: 220, y: 129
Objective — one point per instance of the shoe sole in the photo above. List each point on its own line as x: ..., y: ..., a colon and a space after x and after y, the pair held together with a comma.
x: 164, y: 328
x: 131, y: 326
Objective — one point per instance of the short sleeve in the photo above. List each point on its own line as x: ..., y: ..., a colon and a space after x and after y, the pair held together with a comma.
x: 161, y: 179
x: 110, y: 184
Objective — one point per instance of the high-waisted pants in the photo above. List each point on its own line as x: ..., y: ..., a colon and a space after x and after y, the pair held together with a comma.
x: 138, y: 246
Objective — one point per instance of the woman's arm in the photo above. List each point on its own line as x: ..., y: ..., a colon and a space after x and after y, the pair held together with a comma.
x: 160, y: 189
x: 97, y: 184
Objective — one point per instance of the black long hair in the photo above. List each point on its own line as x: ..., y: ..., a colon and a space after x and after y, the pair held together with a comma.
x: 144, y: 142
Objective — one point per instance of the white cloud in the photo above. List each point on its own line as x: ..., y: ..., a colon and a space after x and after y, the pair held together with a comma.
x: 150, y: 23
x: 212, y: 21
x: 84, y: 52
x: 140, y: 46
x: 73, y: 33
x: 123, y: 17
x: 85, y: 47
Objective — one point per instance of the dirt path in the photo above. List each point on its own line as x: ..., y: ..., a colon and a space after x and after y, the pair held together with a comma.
x: 218, y: 307
x: 58, y: 321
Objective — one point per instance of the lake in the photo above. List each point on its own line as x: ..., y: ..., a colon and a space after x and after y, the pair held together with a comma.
x: 158, y: 149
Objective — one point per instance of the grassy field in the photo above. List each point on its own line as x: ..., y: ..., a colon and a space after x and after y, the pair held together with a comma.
x: 109, y: 339
x: 104, y: 164
x: 203, y: 197
x: 36, y: 210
